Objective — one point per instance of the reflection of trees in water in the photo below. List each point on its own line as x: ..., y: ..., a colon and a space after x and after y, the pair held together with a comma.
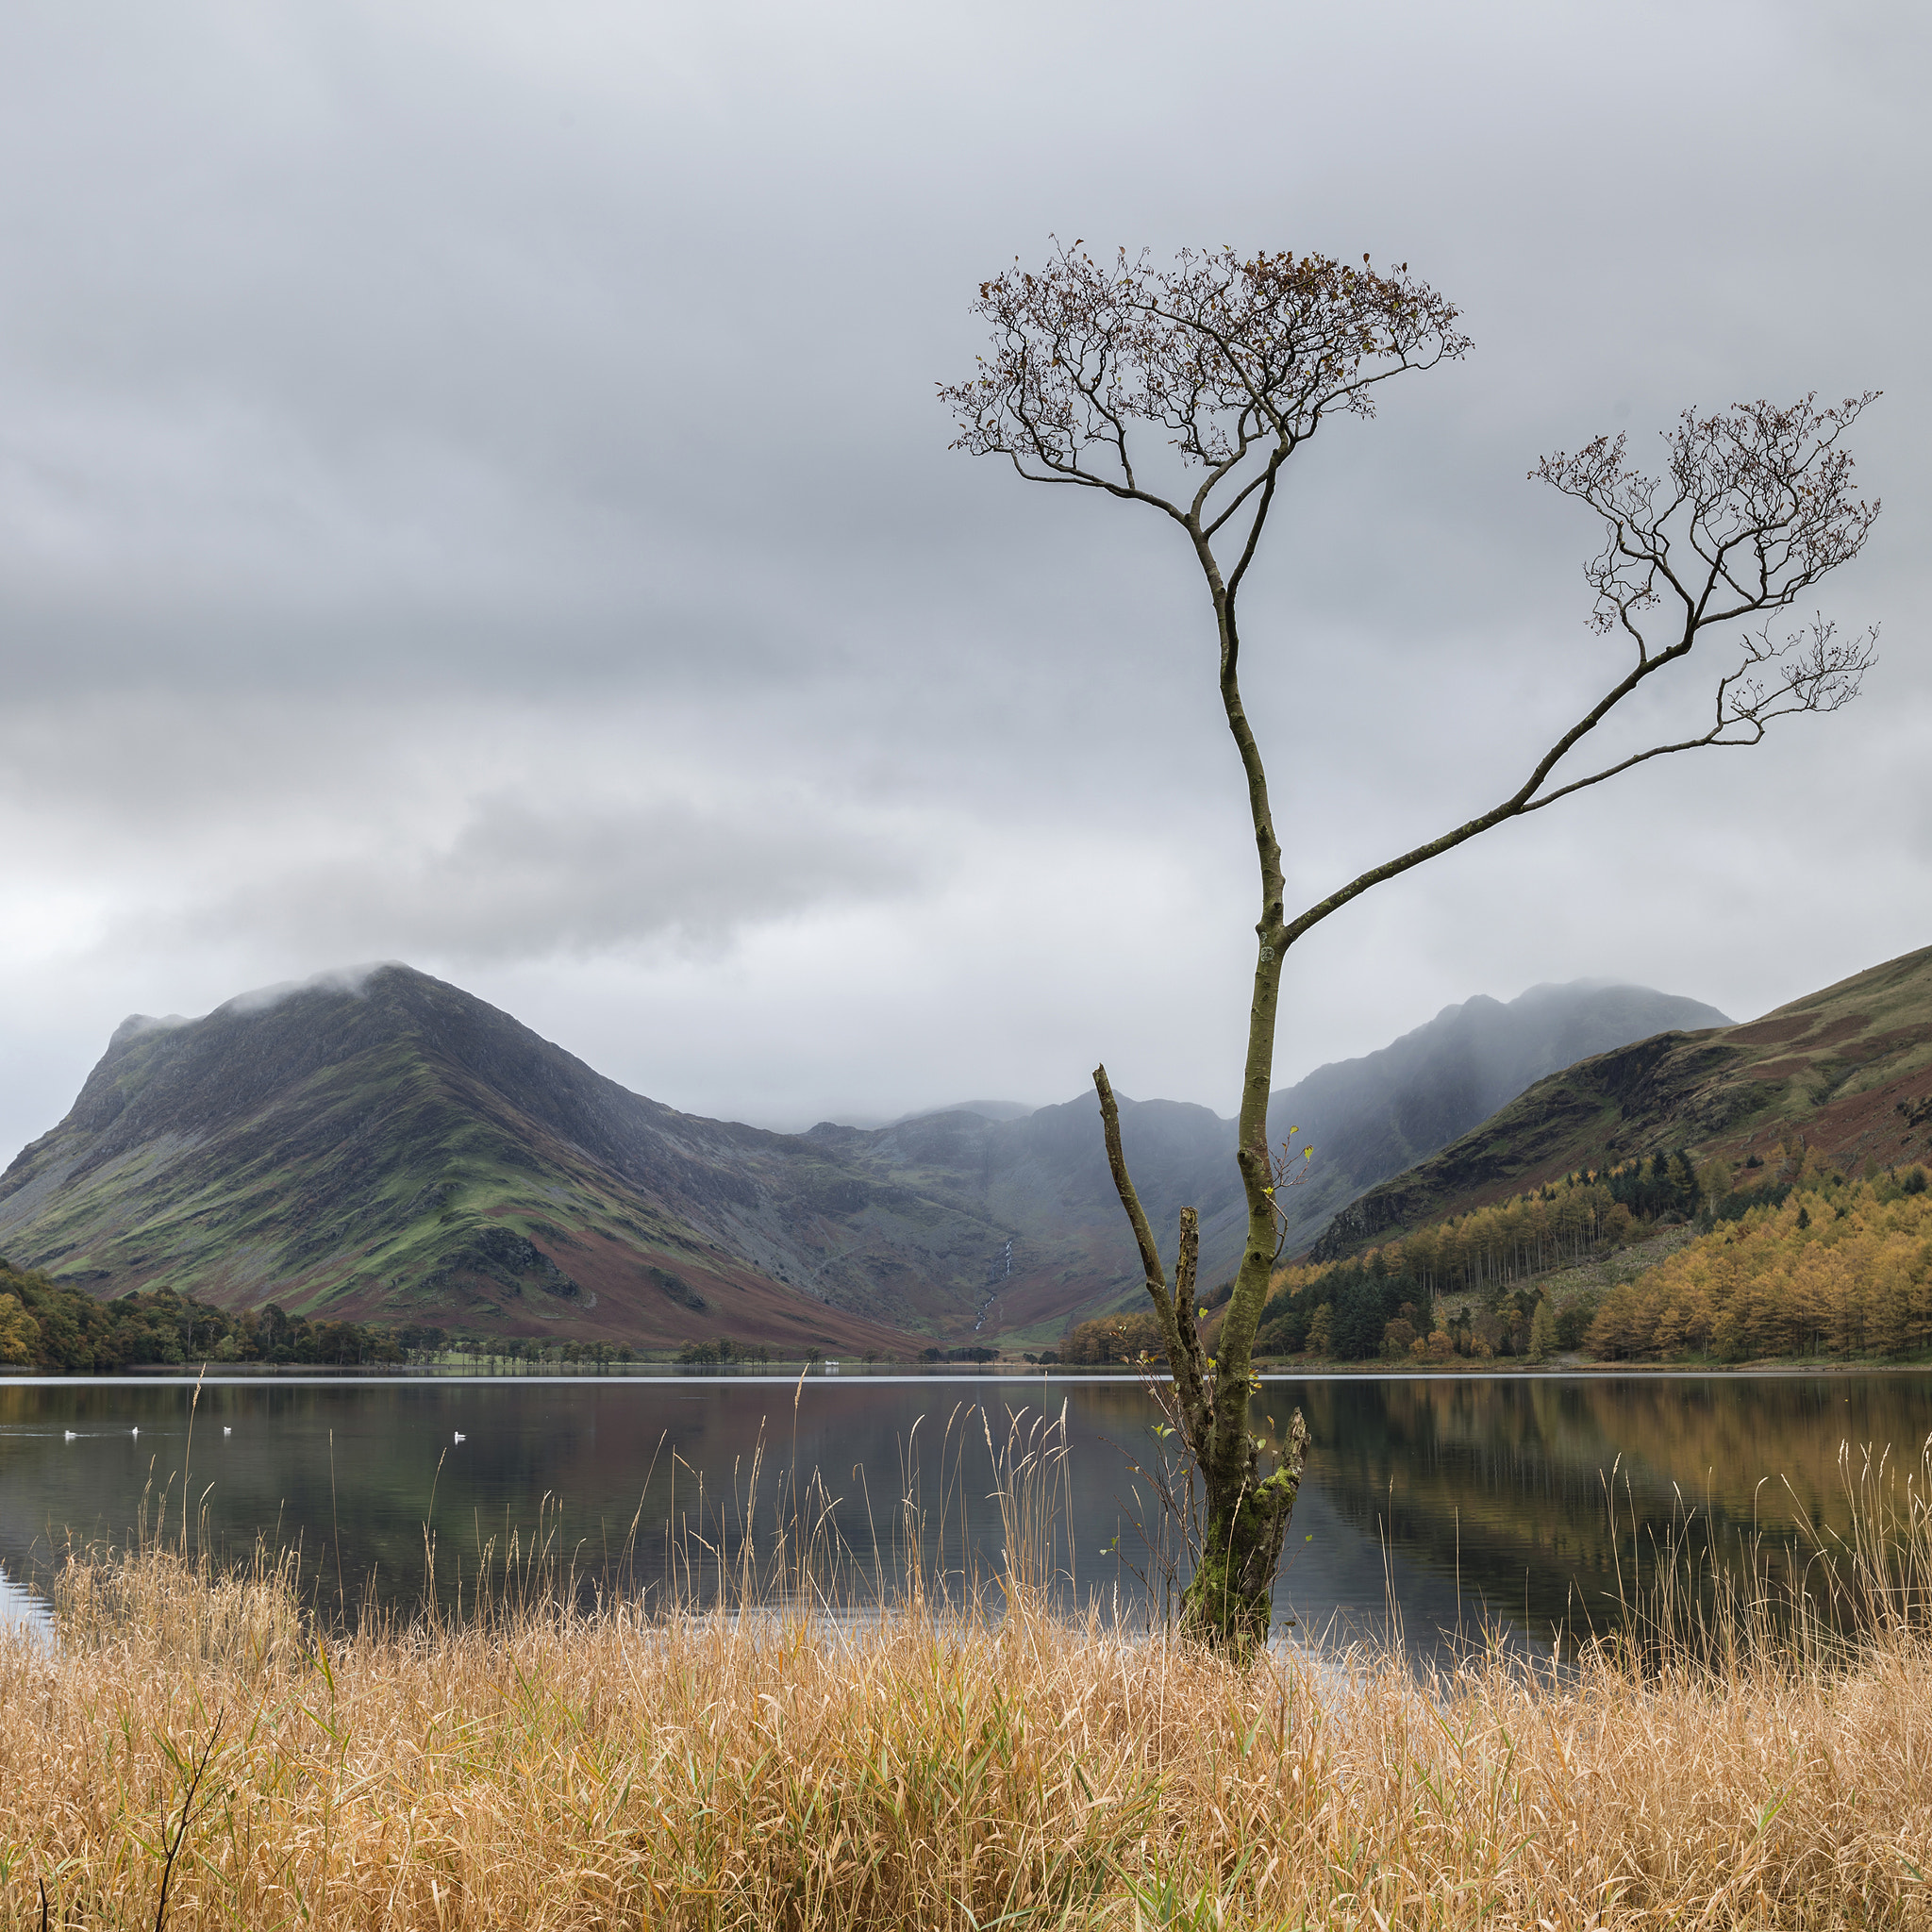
x: 1498, y: 1475
x: 1510, y: 1480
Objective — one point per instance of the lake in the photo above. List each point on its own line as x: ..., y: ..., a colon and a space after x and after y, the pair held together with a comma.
x: 1459, y: 1500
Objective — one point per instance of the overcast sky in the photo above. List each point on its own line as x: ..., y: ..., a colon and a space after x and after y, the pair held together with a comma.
x: 472, y: 493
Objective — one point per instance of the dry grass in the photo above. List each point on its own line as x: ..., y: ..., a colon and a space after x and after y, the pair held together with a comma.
x: 568, y: 1771
x: 537, y: 1768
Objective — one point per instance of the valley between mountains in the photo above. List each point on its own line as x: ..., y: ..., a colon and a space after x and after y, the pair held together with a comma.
x: 386, y: 1147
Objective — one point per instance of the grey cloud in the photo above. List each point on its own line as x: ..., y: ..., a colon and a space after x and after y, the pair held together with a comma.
x: 519, y: 881
x: 135, y: 1024
x: 471, y: 489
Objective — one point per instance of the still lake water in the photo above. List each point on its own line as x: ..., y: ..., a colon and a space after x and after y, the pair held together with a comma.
x: 1460, y: 1499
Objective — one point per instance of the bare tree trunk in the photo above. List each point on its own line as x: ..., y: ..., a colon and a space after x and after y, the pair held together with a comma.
x: 1250, y: 1485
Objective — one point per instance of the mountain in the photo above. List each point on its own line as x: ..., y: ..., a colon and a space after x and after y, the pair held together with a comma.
x: 1371, y: 1118
x: 989, y: 1109
x: 1044, y: 1179
x: 387, y: 1146
x: 393, y: 1147
x: 986, y: 1110
x: 1849, y: 1067
x: 384, y: 1145
x: 1045, y: 1176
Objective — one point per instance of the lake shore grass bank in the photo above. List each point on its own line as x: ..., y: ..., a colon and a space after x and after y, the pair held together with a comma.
x: 193, y: 1749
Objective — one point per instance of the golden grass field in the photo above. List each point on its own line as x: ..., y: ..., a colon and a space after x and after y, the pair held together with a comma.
x: 542, y: 1769
x: 196, y: 1749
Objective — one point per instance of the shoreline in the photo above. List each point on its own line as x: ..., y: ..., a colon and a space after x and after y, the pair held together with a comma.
x: 1581, y: 1369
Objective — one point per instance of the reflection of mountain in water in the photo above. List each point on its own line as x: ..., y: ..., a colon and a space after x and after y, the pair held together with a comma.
x: 1500, y: 1482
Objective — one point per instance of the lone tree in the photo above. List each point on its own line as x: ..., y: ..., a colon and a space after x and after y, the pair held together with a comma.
x: 1234, y: 362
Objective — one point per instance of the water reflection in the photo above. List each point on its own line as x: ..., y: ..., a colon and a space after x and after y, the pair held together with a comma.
x: 1456, y: 1498
x: 1512, y: 1482
x: 21, y: 1609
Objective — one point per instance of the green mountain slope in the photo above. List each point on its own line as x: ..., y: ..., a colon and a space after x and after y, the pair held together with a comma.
x: 1849, y: 1067
x: 401, y: 1149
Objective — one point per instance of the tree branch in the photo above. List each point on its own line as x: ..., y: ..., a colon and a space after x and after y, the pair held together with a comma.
x: 1175, y: 1313
x: 1123, y: 1185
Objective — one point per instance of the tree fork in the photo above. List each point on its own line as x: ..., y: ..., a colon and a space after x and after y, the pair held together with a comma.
x: 1229, y: 1600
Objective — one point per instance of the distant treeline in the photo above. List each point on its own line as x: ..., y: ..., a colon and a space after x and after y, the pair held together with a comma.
x: 725, y: 1349
x: 47, y: 1325
x: 1555, y: 1226
x: 1790, y: 1260
x: 1384, y: 1302
x: 1112, y: 1338
x: 1359, y: 1311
